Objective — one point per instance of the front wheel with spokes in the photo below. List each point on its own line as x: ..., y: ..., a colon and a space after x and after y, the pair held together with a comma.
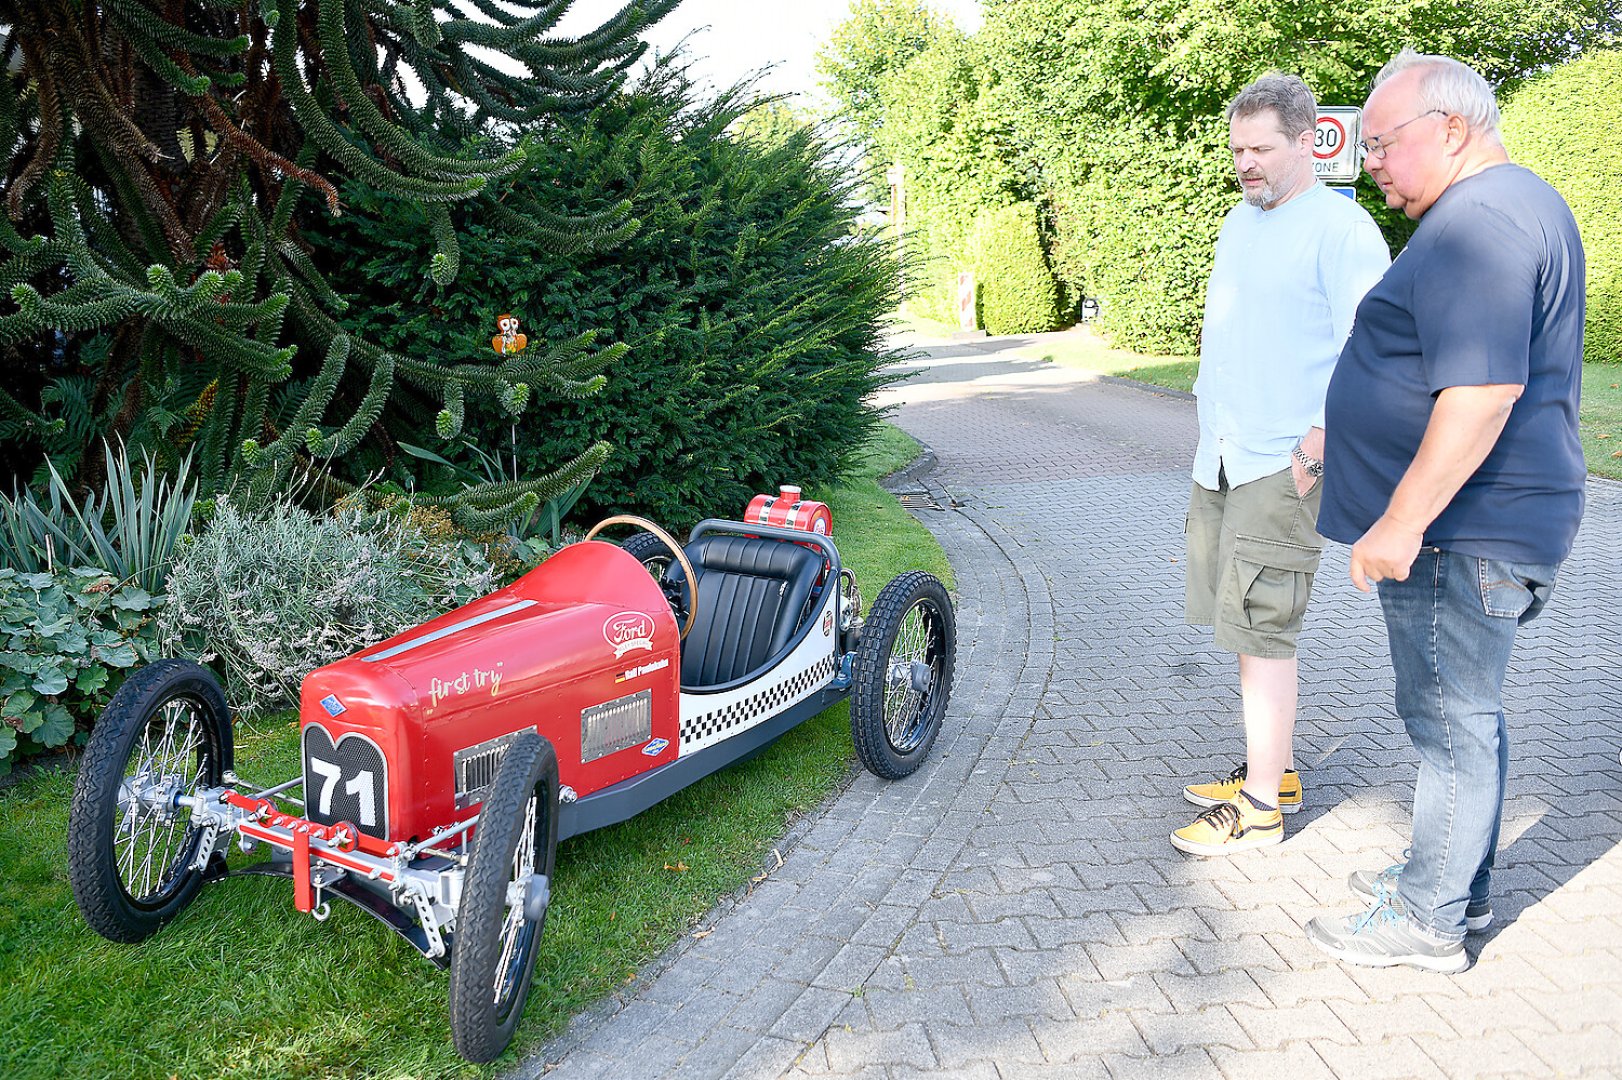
x: 133, y: 851
x: 504, y: 899
x: 904, y: 666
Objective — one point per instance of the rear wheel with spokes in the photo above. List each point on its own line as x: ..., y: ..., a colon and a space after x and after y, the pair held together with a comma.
x: 904, y: 667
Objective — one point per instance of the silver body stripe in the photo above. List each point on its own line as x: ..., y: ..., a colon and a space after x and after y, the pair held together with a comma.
x: 447, y: 631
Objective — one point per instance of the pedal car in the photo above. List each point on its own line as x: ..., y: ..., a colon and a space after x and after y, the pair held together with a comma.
x: 441, y: 767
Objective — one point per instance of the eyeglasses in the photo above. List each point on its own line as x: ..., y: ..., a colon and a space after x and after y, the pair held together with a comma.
x: 1385, y: 142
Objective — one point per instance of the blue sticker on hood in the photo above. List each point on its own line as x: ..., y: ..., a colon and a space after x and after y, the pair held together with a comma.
x: 333, y: 706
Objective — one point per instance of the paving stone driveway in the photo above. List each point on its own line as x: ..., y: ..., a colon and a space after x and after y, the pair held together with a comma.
x: 1014, y: 910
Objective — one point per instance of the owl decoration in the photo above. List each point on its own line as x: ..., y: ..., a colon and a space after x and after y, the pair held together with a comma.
x: 508, y: 340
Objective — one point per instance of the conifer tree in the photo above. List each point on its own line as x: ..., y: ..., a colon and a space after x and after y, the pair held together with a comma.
x: 162, y: 157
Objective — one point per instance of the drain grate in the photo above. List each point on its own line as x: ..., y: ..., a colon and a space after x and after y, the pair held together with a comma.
x: 918, y: 500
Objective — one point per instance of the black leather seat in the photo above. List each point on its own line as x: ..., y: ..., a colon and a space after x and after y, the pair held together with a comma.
x: 752, y: 594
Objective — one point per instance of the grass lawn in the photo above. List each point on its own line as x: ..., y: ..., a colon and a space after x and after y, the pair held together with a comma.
x: 1083, y: 348
x: 1600, y: 421
x: 1079, y: 347
x: 242, y: 985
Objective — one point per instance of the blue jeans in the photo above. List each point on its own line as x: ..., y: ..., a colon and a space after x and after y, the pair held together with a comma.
x: 1451, y: 626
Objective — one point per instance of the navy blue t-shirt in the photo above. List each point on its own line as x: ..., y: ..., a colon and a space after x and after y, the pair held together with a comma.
x: 1488, y: 291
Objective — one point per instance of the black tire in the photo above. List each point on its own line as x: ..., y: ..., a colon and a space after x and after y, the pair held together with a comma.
x: 493, y: 955
x: 166, y: 732
x: 652, y: 553
x: 905, y: 660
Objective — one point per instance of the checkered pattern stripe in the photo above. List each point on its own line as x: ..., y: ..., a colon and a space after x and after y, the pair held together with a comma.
x: 747, y: 711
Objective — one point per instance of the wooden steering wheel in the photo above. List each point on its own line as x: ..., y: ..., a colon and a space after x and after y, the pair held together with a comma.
x: 668, y: 541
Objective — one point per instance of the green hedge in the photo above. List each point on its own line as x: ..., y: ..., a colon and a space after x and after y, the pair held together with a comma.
x: 1550, y: 126
x: 1017, y: 293
x: 752, y: 307
x: 1150, y: 212
x: 1116, y: 111
x: 942, y: 124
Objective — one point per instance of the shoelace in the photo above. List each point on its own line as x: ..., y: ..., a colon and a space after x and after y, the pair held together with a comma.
x: 1222, y: 816
x: 1387, y: 878
x: 1238, y: 774
x: 1380, y: 913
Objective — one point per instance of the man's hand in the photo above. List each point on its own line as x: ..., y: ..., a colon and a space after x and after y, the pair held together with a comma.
x: 1303, y: 479
x: 1312, y: 445
x: 1465, y: 422
x: 1387, y: 550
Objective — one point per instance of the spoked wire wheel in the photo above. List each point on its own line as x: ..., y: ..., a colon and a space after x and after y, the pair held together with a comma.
x: 655, y: 556
x: 904, y: 667
x: 504, y: 899
x: 517, y: 929
x: 132, y: 848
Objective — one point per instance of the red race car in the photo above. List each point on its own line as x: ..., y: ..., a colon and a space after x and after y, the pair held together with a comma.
x: 442, y: 766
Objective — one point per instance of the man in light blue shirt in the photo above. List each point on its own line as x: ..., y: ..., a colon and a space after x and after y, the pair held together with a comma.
x: 1292, y: 261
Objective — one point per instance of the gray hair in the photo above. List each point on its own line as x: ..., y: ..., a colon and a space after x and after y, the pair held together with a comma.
x: 1286, y: 95
x: 1448, y: 86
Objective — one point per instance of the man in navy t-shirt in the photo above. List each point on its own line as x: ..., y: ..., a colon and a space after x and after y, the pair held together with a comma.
x: 1453, y: 468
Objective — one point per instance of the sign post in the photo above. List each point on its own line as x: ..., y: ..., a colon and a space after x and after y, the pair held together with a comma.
x: 967, y: 316
x: 1334, y: 143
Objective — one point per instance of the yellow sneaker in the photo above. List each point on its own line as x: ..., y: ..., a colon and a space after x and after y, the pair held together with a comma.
x: 1221, y: 791
x: 1236, y: 825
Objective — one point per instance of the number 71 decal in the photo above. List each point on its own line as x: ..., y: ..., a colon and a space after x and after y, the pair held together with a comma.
x: 361, y: 787
x: 346, y: 780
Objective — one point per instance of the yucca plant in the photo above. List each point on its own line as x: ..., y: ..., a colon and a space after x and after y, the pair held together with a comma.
x: 130, y: 528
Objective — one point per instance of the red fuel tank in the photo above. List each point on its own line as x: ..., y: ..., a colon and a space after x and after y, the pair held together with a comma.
x: 788, y: 510
x: 407, y: 734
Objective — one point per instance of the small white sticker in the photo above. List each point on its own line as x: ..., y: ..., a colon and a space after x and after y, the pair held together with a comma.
x: 656, y: 747
x: 643, y: 669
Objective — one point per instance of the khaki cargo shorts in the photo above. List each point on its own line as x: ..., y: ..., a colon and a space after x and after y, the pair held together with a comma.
x: 1252, y: 554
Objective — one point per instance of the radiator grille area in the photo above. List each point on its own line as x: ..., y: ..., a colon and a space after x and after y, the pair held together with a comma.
x: 476, y: 768
x: 616, y: 725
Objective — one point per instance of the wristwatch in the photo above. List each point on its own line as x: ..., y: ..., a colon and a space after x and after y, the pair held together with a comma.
x: 1310, y: 465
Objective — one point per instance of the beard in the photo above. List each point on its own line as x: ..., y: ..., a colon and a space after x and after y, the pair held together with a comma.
x: 1273, y: 188
x: 1266, y: 195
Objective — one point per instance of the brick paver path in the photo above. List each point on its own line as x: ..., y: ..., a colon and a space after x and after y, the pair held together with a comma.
x: 1014, y: 909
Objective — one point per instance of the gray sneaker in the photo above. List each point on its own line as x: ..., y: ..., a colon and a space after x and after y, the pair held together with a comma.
x: 1368, y: 883
x: 1383, y: 936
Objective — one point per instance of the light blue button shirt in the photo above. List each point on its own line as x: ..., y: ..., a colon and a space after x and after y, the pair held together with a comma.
x: 1279, y: 305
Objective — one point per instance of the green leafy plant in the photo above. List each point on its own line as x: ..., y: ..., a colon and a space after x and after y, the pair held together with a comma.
x: 533, y: 534
x: 129, y: 530
x: 162, y: 166
x: 271, y: 594
x: 942, y: 127
x: 752, y: 309
x: 66, y: 639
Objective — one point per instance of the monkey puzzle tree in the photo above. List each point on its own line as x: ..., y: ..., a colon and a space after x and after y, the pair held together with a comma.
x: 162, y: 157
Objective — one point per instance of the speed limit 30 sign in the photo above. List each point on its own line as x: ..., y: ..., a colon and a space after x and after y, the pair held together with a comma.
x: 1334, y: 143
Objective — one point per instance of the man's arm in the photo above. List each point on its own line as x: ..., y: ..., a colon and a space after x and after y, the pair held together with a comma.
x: 1464, y: 426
